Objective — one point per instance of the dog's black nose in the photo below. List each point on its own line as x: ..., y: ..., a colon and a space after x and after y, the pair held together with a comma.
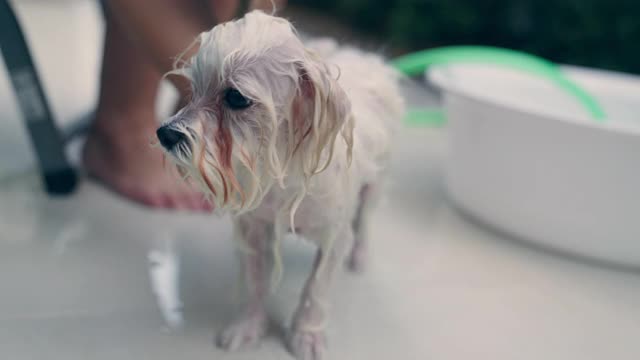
x: 169, y: 137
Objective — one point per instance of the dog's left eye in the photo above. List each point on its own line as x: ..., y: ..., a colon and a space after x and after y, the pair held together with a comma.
x: 235, y: 100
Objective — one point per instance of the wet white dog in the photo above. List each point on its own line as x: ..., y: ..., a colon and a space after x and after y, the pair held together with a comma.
x: 286, y: 137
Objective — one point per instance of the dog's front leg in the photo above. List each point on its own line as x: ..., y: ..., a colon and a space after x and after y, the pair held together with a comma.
x: 307, y: 338
x: 251, y: 325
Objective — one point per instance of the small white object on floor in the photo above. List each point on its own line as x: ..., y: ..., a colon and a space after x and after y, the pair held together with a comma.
x: 164, y: 268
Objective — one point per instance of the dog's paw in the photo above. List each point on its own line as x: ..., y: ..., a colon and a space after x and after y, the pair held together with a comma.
x: 244, y: 332
x: 307, y: 345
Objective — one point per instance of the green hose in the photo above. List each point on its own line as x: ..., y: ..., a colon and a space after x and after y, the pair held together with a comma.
x: 417, y: 63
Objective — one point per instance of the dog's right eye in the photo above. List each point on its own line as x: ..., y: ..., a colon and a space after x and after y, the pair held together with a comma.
x: 235, y: 100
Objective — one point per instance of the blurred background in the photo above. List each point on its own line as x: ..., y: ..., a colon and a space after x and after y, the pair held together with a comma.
x: 596, y: 33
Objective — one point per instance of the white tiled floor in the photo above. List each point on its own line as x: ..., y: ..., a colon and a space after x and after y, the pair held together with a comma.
x: 75, y: 282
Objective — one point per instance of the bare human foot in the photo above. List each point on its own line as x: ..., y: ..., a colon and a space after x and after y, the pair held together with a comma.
x: 119, y: 151
x: 125, y: 161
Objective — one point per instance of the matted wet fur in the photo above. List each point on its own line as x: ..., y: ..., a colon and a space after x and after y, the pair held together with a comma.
x: 285, y: 136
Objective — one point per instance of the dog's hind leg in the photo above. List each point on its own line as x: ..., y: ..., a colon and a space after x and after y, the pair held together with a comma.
x: 249, y: 328
x: 358, y: 255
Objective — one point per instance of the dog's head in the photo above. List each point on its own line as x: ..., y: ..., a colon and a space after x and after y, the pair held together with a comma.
x: 264, y: 110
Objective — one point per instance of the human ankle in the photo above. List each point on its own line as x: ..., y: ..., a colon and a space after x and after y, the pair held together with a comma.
x: 123, y: 124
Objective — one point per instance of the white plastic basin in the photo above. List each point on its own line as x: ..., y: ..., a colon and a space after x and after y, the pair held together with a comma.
x: 526, y: 158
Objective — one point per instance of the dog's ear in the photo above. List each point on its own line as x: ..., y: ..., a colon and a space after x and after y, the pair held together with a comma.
x: 320, y: 112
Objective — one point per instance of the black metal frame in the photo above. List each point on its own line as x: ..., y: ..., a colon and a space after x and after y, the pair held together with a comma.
x: 58, y: 175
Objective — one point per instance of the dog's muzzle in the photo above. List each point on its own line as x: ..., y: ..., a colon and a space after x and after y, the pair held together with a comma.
x: 170, y: 138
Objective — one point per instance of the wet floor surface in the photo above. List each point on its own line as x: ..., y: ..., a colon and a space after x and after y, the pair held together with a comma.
x: 96, y: 277
x: 77, y: 279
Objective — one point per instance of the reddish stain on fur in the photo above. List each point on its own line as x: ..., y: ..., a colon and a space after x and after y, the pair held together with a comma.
x: 222, y: 138
x: 224, y: 145
x: 225, y: 188
x: 306, y: 84
x: 223, y: 142
x: 202, y: 171
x: 307, y: 95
